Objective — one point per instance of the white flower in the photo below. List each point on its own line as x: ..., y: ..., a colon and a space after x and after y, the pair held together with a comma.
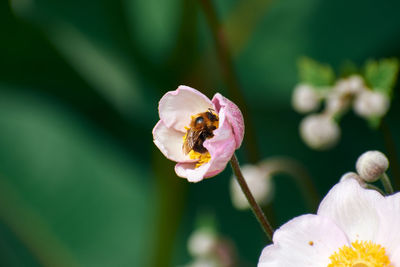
x: 353, y: 227
x: 371, y: 104
x: 305, y: 98
x: 202, y: 242
x: 260, y: 185
x: 319, y: 131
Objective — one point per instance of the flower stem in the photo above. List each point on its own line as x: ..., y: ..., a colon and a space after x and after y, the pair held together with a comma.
x: 262, y: 219
x: 229, y: 75
x: 386, y: 184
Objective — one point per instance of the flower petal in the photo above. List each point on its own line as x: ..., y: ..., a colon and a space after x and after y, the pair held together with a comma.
x: 389, y: 233
x: 169, y: 141
x: 177, y: 107
x: 307, y: 240
x: 233, y: 115
x: 353, y: 209
x: 221, y: 148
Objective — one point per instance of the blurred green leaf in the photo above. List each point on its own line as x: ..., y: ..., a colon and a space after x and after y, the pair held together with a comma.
x: 381, y: 75
x: 70, y: 188
x: 314, y: 73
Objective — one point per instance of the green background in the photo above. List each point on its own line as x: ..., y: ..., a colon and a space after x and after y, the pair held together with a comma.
x: 81, y: 182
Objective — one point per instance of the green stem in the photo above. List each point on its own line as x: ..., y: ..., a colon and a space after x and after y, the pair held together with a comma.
x: 229, y: 75
x: 262, y: 219
x: 386, y: 184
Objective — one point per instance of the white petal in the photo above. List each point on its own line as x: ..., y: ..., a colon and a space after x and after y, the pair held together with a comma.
x: 177, y: 107
x: 353, y: 209
x: 307, y: 240
x: 170, y: 142
x: 389, y: 233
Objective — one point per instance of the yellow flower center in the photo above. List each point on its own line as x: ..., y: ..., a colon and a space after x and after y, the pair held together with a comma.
x: 360, y: 254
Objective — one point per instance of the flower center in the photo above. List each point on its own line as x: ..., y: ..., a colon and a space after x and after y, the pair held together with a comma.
x: 360, y: 254
x: 201, y: 128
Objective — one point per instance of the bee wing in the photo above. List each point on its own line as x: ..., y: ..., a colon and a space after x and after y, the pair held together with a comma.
x: 191, y: 138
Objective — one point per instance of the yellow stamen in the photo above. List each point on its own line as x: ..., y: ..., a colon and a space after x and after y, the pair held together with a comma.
x: 360, y: 254
x: 201, y: 157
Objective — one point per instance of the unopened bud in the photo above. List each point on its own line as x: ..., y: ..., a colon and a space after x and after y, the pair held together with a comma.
x: 202, y: 242
x: 319, y: 131
x: 305, y: 99
x: 371, y: 104
x: 371, y: 165
x: 336, y: 103
x: 260, y: 185
x: 349, y: 86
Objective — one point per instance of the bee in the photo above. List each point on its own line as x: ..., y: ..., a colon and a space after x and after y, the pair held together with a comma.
x: 201, y: 128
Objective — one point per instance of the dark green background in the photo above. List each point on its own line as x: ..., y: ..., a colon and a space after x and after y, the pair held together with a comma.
x: 81, y: 183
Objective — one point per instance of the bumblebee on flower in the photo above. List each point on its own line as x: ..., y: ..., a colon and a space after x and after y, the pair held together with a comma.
x: 200, y: 134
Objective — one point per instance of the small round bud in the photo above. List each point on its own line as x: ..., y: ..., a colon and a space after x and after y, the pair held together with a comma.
x: 202, y: 242
x: 336, y: 103
x: 305, y: 99
x: 371, y: 165
x: 349, y: 86
x: 319, y: 131
x: 371, y: 104
x: 356, y: 84
x: 259, y: 183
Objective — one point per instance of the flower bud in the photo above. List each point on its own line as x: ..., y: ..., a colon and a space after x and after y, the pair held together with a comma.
x: 371, y: 165
x: 305, y: 98
x: 350, y: 86
x: 202, y: 242
x: 319, y: 131
x: 259, y: 184
x: 371, y: 104
x: 336, y: 103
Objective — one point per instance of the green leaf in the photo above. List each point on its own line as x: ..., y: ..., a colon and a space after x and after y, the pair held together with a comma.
x: 381, y: 75
x: 314, y: 73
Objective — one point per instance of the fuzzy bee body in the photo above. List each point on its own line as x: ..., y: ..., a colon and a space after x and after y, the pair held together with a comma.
x: 201, y: 128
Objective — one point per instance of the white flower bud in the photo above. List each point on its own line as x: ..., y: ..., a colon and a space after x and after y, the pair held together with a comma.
x: 371, y: 165
x: 202, y: 242
x: 370, y: 103
x: 319, y: 131
x: 305, y: 98
x: 350, y: 86
x: 336, y: 103
x: 259, y: 183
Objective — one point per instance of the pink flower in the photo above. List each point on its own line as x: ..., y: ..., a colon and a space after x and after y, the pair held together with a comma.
x: 179, y: 110
x: 353, y: 227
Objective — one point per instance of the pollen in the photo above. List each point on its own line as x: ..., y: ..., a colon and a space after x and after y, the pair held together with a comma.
x: 201, y: 157
x: 360, y: 254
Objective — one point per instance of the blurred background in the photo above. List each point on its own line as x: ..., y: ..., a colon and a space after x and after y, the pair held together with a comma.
x: 81, y: 182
